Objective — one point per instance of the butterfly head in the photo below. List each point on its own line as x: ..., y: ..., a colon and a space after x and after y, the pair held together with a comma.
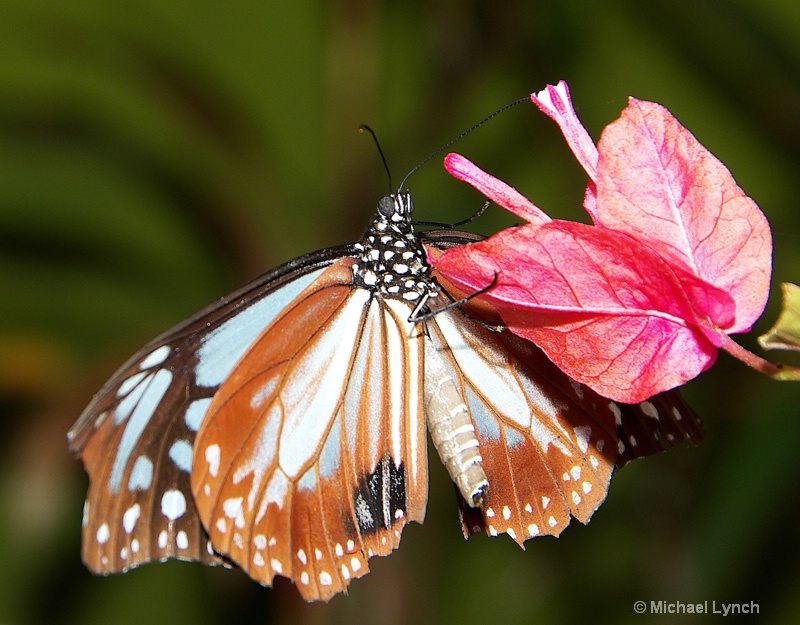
x: 396, y: 208
x: 391, y: 260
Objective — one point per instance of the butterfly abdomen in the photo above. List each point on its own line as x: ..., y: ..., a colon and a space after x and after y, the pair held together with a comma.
x: 451, y: 429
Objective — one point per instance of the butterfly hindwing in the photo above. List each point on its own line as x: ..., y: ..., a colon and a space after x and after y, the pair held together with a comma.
x: 548, y: 444
x: 138, y: 509
x: 137, y: 435
x: 312, y: 456
x: 545, y: 457
x: 657, y: 424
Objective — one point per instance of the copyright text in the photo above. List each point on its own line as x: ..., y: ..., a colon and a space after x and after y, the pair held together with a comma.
x: 703, y: 607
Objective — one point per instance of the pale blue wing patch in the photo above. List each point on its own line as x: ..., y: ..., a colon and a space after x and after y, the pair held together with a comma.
x: 224, y: 346
x: 151, y: 396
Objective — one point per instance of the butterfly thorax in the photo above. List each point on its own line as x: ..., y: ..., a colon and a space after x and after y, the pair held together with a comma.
x: 391, y: 260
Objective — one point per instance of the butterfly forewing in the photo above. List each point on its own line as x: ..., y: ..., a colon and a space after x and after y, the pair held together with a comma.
x: 312, y: 455
x: 136, y: 437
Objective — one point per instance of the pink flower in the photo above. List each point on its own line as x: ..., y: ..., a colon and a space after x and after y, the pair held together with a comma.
x: 679, y: 257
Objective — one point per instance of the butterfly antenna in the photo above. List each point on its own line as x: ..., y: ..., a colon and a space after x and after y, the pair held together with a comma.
x: 362, y: 128
x: 462, y: 135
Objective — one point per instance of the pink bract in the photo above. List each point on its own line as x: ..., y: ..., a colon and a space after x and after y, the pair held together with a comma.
x: 639, y: 302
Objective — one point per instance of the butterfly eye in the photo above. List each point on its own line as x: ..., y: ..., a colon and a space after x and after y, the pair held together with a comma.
x: 386, y: 206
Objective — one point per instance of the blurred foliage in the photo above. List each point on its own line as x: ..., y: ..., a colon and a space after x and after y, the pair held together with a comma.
x: 154, y: 155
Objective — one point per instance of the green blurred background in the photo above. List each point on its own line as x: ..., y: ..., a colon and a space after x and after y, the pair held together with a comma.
x: 154, y: 155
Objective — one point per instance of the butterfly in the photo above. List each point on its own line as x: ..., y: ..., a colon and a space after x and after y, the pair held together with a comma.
x: 283, y: 428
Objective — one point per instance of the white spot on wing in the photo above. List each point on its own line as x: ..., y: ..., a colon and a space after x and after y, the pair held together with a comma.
x: 582, y: 434
x: 213, y: 458
x: 156, y: 357
x: 130, y: 517
x: 141, y: 474
x: 195, y: 413
x: 130, y: 383
x: 182, y: 540
x: 649, y: 409
x: 363, y: 513
x: 577, y: 387
x: 181, y: 455
x: 233, y: 510
x: 103, y: 534
x: 173, y: 504
x: 616, y: 412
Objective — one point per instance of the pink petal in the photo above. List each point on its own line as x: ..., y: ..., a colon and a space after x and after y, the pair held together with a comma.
x: 496, y: 190
x: 658, y: 183
x: 555, y: 102
x: 608, y: 310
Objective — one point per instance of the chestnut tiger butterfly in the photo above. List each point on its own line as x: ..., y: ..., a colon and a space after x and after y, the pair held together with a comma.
x: 283, y: 429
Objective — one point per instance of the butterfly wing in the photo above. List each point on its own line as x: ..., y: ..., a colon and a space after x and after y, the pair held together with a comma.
x: 136, y: 436
x: 547, y: 455
x: 660, y: 423
x: 548, y: 444
x: 312, y: 456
